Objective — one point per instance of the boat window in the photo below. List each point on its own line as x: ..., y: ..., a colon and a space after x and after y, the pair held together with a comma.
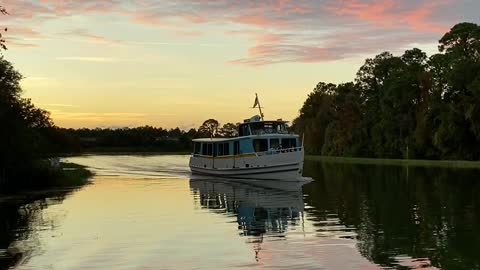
x: 204, y: 149
x: 209, y: 149
x: 260, y: 145
x: 220, y: 149
x: 196, y: 148
x: 265, y: 127
x: 244, y: 130
x: 274, y: 143
x: 289, y: 143
x: 236, y: 147
x: 226, y: 149
x: 223, y: 149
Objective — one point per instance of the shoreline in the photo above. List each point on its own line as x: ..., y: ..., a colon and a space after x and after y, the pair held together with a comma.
x: 467, y: 164
x: 65, y: 176
x: 461, y: 164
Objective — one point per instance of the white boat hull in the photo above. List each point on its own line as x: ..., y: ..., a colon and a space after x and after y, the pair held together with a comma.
x: 286, y: 166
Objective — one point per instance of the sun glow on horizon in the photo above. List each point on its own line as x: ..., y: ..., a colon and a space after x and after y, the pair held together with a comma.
x: 175, y: 64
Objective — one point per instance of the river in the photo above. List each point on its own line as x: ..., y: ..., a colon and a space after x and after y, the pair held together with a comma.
x: 148, y: 212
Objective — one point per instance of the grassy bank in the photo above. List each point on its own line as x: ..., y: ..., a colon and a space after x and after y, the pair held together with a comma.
x: 43, y: 176
x: 397, y: 162
x: 71, y: 175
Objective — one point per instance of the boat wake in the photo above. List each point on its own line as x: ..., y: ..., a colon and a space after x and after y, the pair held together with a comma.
x: 151, y: 166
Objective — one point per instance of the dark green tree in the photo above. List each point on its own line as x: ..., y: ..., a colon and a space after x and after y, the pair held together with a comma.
x: 23, y: 125
x: 315, y: 115
x: 209, y: 128
x: 229, y: 130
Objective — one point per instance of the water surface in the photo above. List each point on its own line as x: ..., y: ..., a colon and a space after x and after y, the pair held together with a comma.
x: 147, y: 212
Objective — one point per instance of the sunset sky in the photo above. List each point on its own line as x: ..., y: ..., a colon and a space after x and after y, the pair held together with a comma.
x: 116, y: 63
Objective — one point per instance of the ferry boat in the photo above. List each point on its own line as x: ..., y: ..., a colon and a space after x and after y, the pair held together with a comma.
x: 262, y: 150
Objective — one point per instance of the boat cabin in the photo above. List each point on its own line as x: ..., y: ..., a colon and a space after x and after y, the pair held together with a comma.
x: 254, y: 126
x: 254, y: 137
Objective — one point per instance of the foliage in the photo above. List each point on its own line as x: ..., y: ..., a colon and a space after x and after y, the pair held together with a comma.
x: 3, y: 11
x: 408, y: 106
x: 143, y: 139
x: 209, y: 128
x: 229, y: 130
x: 23, y: 126
x: 137, y: 139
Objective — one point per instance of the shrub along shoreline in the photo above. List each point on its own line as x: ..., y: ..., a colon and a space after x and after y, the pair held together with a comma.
x: 459, y: 164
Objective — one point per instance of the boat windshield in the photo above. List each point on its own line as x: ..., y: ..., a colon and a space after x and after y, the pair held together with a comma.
x: 266, y: 127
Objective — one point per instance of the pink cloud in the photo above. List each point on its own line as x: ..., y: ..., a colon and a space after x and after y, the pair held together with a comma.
x: 22, y: 31
x: 279, y: 30
x: 390, y: 14
x: 21, y: 37
x: 257, y: 20
x: 265, y: 54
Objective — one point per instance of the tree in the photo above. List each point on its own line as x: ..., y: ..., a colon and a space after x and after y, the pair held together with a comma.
x: 23, y: 125
x: 209, y: 128
x: 315, y: 115
x: 3, y: 11
x: 344, y: 135
x: 229, y: 130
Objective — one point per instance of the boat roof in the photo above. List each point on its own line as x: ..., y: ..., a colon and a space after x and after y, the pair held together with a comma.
x: 212, y: 139
x: 248, y: 121
x: 259, y: 119
x: 272, y: 135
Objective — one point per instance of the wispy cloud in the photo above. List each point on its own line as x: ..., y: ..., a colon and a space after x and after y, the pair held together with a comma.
x: 57, y: 105
x: 99, y: 116
x: 280, y: 30
x: 88, y: 59
x: 84, y: 34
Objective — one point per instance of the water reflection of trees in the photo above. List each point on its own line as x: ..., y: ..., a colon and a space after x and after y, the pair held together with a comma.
x: 428, y: 213
x: 19, y: 218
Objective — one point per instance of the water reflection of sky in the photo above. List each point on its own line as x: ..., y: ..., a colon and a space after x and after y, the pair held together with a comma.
x: 147, y: 212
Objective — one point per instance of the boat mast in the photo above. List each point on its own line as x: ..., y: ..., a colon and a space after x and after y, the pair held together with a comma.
x: 257, y: 102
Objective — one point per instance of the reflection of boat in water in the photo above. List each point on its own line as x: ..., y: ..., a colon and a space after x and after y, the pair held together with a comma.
x: 262, y: 150
x: 261, y: 206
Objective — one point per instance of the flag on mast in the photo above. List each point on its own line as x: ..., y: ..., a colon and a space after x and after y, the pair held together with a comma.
x: 256, y: 102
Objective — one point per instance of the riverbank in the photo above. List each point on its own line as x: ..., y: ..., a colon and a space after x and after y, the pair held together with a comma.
x: 397, y: 162
x: 44, y: 176
x: 72, y: 175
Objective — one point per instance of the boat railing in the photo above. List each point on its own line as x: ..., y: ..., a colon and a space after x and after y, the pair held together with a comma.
x: 282, y: 150
x: 257, y: 154
x: 269, y: 131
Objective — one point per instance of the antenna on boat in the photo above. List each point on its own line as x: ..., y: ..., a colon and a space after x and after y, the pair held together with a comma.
x: 257, y: 103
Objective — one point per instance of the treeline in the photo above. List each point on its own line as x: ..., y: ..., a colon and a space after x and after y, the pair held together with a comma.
x: 135, y: 139
x: 146, y: 138
x: 408, y: 106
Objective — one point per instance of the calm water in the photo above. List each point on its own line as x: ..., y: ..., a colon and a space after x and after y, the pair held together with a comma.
x: 148, y: 213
